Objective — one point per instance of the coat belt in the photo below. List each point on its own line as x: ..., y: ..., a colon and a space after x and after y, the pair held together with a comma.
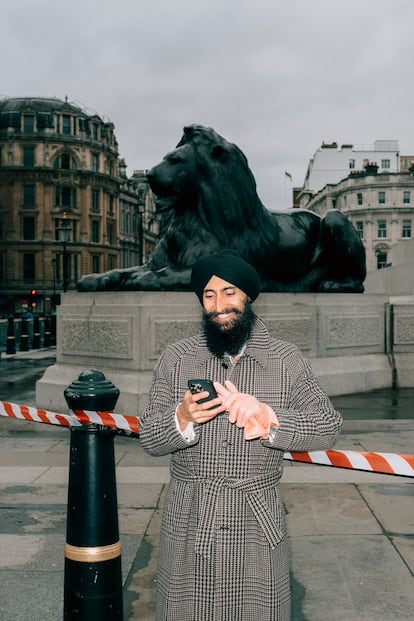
x: 251, y: 488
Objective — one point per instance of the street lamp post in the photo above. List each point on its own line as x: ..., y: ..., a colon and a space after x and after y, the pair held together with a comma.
x: 54, y: 277
x: 64, y: 233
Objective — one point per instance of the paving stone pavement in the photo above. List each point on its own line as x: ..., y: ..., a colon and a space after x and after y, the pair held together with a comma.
x: 351, y: 533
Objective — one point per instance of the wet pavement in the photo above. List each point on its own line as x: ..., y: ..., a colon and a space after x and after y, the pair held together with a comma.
x: 384, y: 404
x: 19, y: 373
x: 351, y: 533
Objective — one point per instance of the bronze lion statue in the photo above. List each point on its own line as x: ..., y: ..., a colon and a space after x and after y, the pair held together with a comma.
x: 207, y: 196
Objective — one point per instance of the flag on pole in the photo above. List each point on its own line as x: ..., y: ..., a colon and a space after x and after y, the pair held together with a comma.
x: 288, y: 176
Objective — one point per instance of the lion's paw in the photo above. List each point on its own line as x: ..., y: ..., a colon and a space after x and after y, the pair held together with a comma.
x: 341, y: 286
x: 99, y: 282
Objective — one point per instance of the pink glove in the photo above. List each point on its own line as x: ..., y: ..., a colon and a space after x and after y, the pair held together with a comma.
x: 246, y: 411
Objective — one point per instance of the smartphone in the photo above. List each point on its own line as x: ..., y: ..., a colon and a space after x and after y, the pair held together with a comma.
x: 202, y: 385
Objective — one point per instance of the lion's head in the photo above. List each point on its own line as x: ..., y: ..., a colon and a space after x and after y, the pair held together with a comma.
x: 209, y: 177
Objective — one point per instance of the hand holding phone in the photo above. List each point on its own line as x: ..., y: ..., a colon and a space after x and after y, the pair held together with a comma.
x: 202, y: 385
x: 188, y: 411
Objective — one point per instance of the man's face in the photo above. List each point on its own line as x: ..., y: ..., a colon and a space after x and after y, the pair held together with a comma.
x: 228, y: 317
x: 223, y: 302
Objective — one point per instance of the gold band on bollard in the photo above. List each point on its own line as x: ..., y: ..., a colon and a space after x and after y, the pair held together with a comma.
x: 92, y: 555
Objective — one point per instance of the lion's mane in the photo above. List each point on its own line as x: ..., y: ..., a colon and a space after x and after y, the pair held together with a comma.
x: 222, y: 208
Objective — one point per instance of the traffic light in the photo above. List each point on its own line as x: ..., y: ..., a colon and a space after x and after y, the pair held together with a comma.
x: 33, y: 299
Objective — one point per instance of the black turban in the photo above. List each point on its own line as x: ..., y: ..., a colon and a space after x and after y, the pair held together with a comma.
x: 230, y: 267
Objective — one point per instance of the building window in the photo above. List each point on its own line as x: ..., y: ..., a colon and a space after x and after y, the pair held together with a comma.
x: 381, y: 259
x: 95, y: 162
x: 381, y: 198
x: 385, y: 163
x: 65, y: 162
x: 29, y: 267
x: 66, y: 122
x: 382, y: 228
x: 110, y: 233
x: 95, y: 231
x: 63, y: 222
x: 407, y: 197
x: 406, y: 228
x: 359, y: 225
x: 351, y: 164
x: 29, y: 195
x: 95, y: 199
x: 95, y: 131
x: 29, y: 228
x: 28, y: 157
x: 44, y: 119
x: 83, y: 125
x: 96, y: 263
x: 359, y: 198
x: 74, y: 231
x: 28, y: 123
x: 65, y: 196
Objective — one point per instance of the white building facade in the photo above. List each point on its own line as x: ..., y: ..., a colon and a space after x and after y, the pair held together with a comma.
x: 331, y: 163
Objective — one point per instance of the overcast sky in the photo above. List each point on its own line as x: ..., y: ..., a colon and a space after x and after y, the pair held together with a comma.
x: 277, y: 78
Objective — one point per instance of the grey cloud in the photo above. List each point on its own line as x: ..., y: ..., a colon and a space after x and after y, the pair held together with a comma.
x: 277, y: 78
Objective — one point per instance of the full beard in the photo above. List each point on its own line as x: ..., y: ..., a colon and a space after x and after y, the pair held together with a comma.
x: 230, y: 337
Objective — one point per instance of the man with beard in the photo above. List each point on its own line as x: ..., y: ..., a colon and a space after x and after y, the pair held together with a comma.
x: 223, y: 543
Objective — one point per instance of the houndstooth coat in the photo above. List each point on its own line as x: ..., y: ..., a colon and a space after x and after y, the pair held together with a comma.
x: 223, y: 545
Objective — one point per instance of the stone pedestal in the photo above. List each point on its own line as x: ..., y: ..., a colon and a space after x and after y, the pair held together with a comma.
x: 345, y: 336
x: 401, y: 338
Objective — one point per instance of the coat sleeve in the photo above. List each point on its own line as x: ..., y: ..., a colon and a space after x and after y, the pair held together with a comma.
x: 157, y: 428
x: 310, y: 422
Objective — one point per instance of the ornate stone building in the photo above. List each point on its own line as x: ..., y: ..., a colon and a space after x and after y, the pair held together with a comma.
x: 380, y: 206
x: 60, y: 187
x: 373, y: 185
x: 138, y: 220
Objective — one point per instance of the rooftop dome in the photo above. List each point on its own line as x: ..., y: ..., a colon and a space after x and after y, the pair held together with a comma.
x: 40, y: 104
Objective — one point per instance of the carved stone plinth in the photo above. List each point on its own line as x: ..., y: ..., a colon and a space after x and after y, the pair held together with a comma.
x: 345, y: 336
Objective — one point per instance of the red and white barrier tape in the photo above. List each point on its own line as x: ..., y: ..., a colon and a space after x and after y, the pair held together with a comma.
x: 74, y: 419
x: 383, y: 463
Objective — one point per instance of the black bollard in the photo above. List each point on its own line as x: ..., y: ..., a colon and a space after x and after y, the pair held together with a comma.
x: 24, y: 336
x: 11, y: 339
x: 93, y: 576
x: 36, y: 332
